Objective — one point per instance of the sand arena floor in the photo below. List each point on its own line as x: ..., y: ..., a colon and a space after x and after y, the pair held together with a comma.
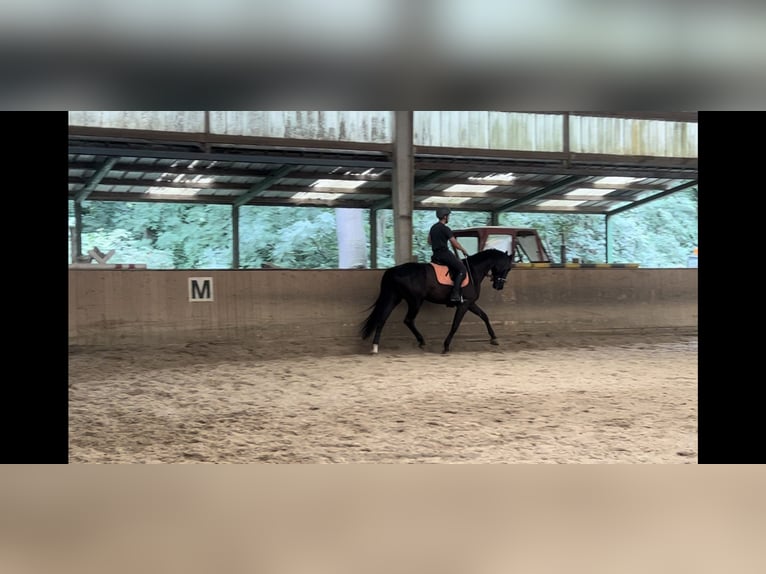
x: 536, y: 399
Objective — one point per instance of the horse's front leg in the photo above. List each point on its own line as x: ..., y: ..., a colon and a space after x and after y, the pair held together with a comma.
x: 459, y: 314
x: 478, y: 311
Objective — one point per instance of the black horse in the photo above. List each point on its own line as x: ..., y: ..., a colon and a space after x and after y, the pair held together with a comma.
x: 416, y: 282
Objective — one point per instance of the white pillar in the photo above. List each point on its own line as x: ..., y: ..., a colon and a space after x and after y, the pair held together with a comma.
x: 352, y: 243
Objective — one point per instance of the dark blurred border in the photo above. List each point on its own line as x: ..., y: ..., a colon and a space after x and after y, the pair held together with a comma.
x: 451, y: 54
x: 409, y: 519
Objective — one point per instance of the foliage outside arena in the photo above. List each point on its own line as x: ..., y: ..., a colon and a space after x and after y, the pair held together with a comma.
x: 659, y: 234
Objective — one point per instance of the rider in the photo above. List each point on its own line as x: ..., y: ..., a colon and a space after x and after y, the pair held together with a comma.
x: 439, y: 238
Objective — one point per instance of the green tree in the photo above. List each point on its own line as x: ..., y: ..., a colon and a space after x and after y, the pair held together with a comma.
x: 661, y: 233
x: 287, y: 237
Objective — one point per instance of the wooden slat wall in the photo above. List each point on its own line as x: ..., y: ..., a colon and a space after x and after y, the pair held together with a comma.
x: 110, y: 307
x: 172, y: 121
x: 354, y: 126
x: 489, y: 130
x: 604, y: 135
x: 460, y: 129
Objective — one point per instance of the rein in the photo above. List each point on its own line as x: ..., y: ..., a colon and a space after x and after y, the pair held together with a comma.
x: 468, y: 269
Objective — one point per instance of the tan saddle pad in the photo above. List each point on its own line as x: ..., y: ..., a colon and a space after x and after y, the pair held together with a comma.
x: 442, y: 275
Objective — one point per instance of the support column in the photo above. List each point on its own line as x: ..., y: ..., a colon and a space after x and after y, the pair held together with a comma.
x: 402, y: 186
x: 608, y: 249
x: 235, y: 237
x: 78, y: 230
x: 373, y: 238
x: 565, y: 136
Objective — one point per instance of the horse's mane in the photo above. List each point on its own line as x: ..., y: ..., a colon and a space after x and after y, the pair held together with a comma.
x: 485, y: 255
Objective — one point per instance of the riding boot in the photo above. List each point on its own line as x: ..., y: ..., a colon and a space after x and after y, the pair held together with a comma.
x: 455, y: 296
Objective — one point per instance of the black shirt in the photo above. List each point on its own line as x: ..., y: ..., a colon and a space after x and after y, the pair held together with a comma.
x: 440, y: 235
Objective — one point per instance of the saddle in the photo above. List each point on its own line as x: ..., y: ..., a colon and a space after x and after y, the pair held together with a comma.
x: 443, y: 276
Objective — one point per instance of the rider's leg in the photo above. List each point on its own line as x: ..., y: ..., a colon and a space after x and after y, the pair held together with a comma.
x: 458, y: 271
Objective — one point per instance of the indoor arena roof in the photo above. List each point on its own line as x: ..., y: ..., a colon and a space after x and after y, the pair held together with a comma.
x: 129, y: 165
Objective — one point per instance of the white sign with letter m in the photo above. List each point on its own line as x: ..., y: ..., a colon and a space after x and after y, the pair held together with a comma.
x: 200, y: 288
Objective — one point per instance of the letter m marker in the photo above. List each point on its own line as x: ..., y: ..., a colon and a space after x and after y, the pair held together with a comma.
x: 200, y: 289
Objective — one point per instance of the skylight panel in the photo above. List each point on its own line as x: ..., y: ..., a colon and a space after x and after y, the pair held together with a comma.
x: 503, y: 177
x: 185, y: 178
x: 368, y: 173
x: 336, y: 184
x: 461, y: 187
x: 173, y: 190
x: 328, y: 184
x: 457, y: 188
x: 560, y: 203
x: 180, y: 178
x: 589, y: 191
x: 316, y: 195
x: 616, y: 180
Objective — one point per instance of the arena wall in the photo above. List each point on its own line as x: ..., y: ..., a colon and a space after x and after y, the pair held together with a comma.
x: 145, y: 307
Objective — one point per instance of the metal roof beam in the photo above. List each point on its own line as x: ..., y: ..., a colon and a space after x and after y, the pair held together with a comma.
x: 227, y: 186
x: 566, y: 182
x: 653, y: 197
x: 95, y: 179
x: 242, y: 172
x: 304, y: 202
x: 206, y: 141
x: 621, y: 186
x: 419, y: 182
x: 223, y: 200
x: 263, y: 185
x: 549, y: 168
x: 358, y: 160
x: 483, y: 207
x: 225, y: 172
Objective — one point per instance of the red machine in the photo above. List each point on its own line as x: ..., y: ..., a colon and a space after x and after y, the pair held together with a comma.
x: 524, y: 244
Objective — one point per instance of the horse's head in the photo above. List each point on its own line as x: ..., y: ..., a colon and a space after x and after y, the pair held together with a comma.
x: 501, y: 265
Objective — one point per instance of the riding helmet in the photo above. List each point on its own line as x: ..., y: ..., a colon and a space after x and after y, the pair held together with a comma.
x: 442, y: 211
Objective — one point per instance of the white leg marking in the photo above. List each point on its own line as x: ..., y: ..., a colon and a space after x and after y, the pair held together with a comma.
x: 375, y: 349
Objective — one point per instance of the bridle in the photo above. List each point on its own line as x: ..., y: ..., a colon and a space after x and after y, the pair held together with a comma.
x: 497, y: 281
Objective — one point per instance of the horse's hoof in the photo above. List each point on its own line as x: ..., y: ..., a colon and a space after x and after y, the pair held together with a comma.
x: 421, y: 345
x: 445, y: 351
x: 493, y: 342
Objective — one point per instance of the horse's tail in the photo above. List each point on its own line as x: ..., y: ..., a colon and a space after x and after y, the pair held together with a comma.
x: 378, y: 308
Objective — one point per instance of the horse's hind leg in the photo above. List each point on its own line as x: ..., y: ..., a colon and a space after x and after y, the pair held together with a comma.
x: 478, y: 311
x: 413, y: 307
x: 385, y: 312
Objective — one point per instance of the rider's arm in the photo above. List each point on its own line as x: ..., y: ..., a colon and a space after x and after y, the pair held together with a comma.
x: 457, y: 246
